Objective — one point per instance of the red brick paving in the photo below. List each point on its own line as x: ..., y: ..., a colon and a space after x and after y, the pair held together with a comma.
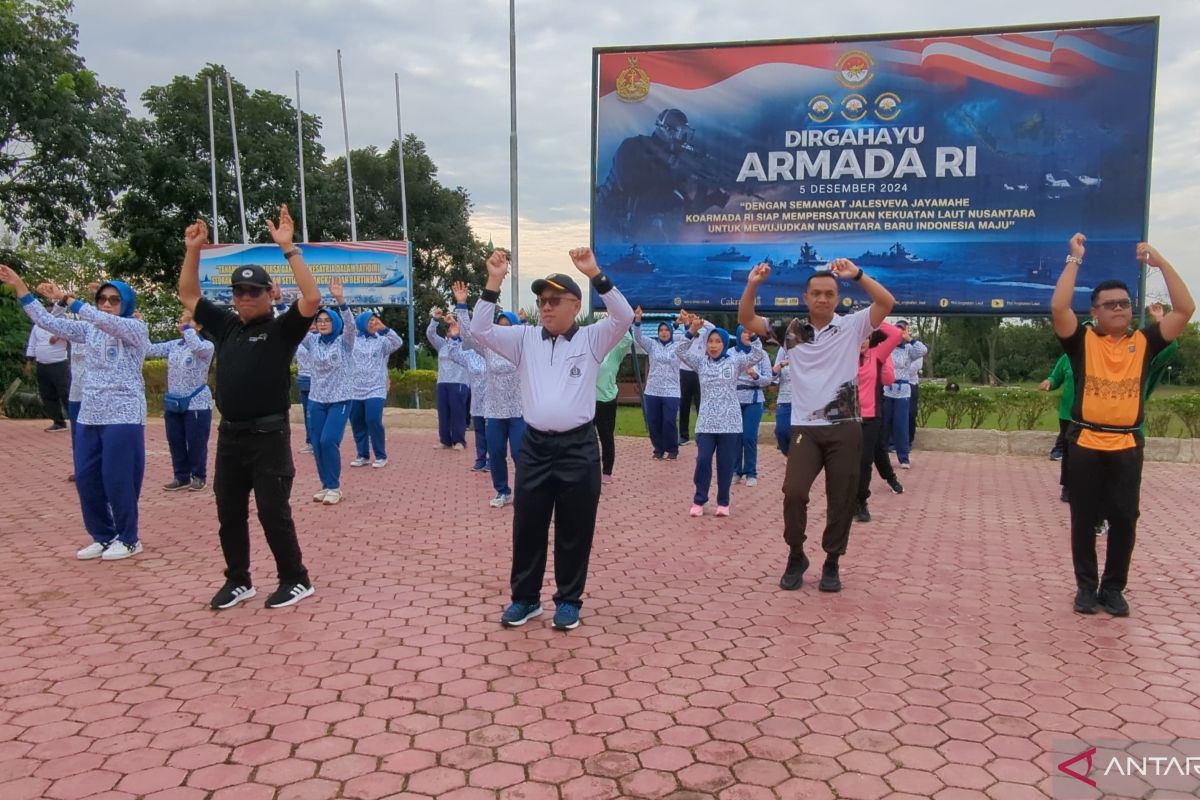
x: 948, y: 668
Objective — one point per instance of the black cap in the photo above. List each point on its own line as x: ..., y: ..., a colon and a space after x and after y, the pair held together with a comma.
x: 556, y: 281
x: 252, y: 275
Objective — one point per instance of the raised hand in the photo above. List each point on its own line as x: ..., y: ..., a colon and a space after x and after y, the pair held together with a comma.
x: 285, y: 230
x: 51, y: 291
x: 276, y: 293
x: 436, y: 313
x: 843, y: 268
x: 460, y: 292
x: 196, y: 235
x: 1044, y: 385
x: 1157, y: 311
x: 1077, y: 248
x: 697, y: 324
x: 1148, y: 255
x: 335, y: 289
x: 497, y: 265
x: 585, y: 261
x: 759, y: 274
x: 9, y: 277
x: 522, y: 315
x: 637, y: 315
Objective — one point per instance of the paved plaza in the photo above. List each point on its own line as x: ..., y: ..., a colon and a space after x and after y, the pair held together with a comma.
x: 950, y: 667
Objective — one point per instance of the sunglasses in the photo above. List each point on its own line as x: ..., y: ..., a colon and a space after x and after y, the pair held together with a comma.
x: 1114, y: 305
x: 248, y: 291
x: 551, y: 301
x: 108, y: 300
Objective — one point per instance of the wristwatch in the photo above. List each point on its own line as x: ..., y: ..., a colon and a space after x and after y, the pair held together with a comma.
x: 295, y: 251
x: 860, y: 274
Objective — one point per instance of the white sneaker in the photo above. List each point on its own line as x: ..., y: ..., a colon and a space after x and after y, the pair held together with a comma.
x: 307, y: 448
x: 332, y: 497
x: 906, y: 466
x: 118, y: 550
x: 359, y: 462
x: 320, y: 496
x: 752, y: 481
x: 93, y: 550
x: 500, y: 500
x: 380, y: 463
x: 458, y: 447
x: 738, y: 479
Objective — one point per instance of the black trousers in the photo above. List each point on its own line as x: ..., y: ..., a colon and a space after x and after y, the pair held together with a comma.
x: 54, y: 387
x: 837, y: 449
x: 558, y: 475
x: 1064, y: 426
x: 259, y: 462
x: 912, y: 413
x: 874, y: 454
x: 606, y: 426
x: 689, y: 398
x: 1103, y: 483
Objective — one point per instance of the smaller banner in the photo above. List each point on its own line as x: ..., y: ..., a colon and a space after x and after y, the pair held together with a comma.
x: 373, y: 273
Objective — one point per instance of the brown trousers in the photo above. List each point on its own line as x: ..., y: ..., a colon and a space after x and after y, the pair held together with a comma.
x: 837, y: 449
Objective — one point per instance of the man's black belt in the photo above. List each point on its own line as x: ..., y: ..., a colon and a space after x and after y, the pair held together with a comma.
x: 579, y: 429
x: 1092, y: 426
x: 273, y: 423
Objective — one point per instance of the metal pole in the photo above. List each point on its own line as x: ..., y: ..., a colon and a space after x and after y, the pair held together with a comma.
x: 212, y: 163
x: 300, y: 159
x: 346, y: 134
x: 237, y: 159
x: 412, y: 296
x: 512, y: 145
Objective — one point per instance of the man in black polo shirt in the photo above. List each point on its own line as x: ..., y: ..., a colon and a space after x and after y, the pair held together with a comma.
x: 254, y: 351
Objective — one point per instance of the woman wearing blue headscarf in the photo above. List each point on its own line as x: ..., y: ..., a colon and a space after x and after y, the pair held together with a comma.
x: 753, y: 380
x: 372, y: 347
x: 719, y: 423
x: 187, y: 405
x: 110, y: 440
x: 331, y: 349
x: 662, y: 387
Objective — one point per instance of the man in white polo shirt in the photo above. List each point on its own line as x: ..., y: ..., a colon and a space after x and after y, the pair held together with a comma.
x: 558, y: 465
x: 826, y: 426
x: 49, y: 353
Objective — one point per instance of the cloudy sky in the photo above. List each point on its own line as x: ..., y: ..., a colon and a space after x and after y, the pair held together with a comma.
x: 452, y: 57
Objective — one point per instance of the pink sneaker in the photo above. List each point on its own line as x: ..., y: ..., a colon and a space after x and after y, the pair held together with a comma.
x: 697, y: 511
x: 722, y: 511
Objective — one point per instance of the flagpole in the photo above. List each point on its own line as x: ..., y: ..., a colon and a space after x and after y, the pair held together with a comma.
x: 412, y: 322
x: 512, y: 144
x: 346, y: 134
x: 212, y: 162
x: 300, y: 159
x: 237, y: 159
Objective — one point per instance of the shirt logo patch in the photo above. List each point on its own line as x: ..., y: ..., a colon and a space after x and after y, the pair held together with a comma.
x: 262, y: 337
x: 1133, y: 348
x: 187, y: 362
x: 111, y: 354
x: 575, y: 372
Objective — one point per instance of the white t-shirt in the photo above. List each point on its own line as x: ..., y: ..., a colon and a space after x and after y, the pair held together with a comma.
x: 824, y: 372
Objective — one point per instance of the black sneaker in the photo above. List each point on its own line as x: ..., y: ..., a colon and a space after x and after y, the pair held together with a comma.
x: 862, y: 514
x: 289, y: 594
x: 793, y: 573
x: 658, y: 456
x: 56, y: 428
x: 197, y: 485
x: 231, y: 594
x: 672, y: 456
x: 1063, y: 496
x: 1112, y: 601
x: 176, y: 485
x: 830, y: 582
x: 1085, y: 602
x: 895, y: 484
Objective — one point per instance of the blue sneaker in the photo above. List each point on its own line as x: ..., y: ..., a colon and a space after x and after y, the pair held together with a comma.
x: 479, y: 466
x: 566, y: 617
x: 519, y: 613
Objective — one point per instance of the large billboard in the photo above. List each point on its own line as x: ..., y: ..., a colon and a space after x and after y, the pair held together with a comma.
x: 953, y: 167
x: 373, y: 273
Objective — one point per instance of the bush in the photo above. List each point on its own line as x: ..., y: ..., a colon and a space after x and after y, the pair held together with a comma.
x: 969, y: 405
x: 930, y: 401
x: 406, y: 388
x: 1158, y: 418
x: 1187, y: 408
x: 1022, y: 406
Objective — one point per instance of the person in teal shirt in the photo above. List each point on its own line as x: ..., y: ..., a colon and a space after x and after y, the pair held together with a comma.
x: 606, y: 405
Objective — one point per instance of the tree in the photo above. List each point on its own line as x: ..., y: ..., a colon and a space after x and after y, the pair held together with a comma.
x: 443, y: 248
x: 169, y: 181
x: 63, y: 134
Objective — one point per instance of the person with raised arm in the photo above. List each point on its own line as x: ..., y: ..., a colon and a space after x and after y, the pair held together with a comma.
x: 110, y: 443
x: 661, y: 401
x: 558, y: 466
x: 1110, y: 367
x: 331, y: 349
x: 254, y: 351
x: 826, y: 433
x: 373, y: 346
x: 187, y: 405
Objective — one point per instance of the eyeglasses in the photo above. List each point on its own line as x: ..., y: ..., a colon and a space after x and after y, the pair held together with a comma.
x: 1114, y: 305
x: 248, y: 291
x: 108, y: 299
x: 551, y: 301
